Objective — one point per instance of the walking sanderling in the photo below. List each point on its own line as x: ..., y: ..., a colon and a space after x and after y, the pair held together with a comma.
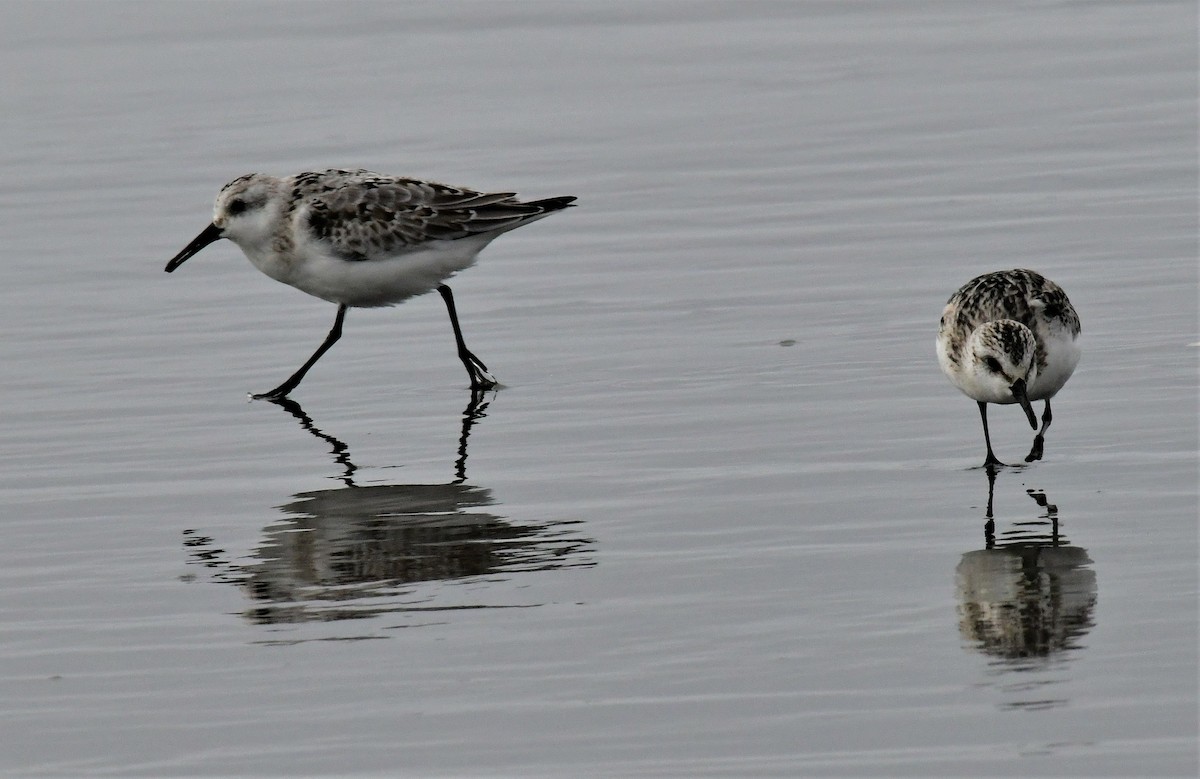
x: 1009, y: 337
x: 360, y: 240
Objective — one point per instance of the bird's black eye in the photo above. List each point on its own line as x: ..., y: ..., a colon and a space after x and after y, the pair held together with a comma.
x: 993, y: 365
x: 236, y: 206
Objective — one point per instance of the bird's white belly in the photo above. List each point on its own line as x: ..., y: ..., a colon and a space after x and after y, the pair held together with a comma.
x: 962, y: 378
x: 1062, y: 355
x: 374, y: 282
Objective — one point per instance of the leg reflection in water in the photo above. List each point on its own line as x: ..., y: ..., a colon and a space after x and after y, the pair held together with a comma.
x: 341, y: 453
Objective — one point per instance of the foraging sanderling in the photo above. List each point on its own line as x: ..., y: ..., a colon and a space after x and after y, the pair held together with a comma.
x: 1009, y: 337
x: 359, y: 239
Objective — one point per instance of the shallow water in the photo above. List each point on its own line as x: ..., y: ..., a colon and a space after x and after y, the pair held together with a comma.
x: 724, y: 517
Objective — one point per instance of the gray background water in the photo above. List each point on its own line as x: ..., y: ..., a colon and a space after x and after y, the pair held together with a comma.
x: 725, y: 517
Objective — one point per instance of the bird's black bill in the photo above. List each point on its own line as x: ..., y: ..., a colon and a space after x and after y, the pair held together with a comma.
x: 1018, y: 391
x: 207, y: 236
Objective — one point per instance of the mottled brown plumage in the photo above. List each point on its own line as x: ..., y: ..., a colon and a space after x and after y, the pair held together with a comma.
x: 1021, y: 295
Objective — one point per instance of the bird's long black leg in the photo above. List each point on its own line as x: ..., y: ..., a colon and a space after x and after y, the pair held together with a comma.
x: 480, y: 378
x: 334, y: 334
x: 1039, y: 440
x: 987, y: 438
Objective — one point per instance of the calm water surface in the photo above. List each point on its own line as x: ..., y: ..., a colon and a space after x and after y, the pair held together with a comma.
x: 723, y: 518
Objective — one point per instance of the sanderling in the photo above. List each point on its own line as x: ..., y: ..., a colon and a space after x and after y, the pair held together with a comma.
x: 359, y: 239
x: 1009, y: 337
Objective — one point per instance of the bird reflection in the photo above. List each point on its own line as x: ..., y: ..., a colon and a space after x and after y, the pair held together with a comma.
x: 360, y: 551
x: 1028, y: 595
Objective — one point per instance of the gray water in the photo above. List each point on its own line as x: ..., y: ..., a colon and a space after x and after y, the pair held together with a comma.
x: 725, y: 516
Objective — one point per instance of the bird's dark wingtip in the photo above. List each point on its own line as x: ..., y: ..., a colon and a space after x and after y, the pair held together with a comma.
x: 554, y: 203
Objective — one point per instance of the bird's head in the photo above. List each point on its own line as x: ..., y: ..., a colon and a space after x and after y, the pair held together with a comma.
x: 245, y: 212
x: 1003, y: 364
